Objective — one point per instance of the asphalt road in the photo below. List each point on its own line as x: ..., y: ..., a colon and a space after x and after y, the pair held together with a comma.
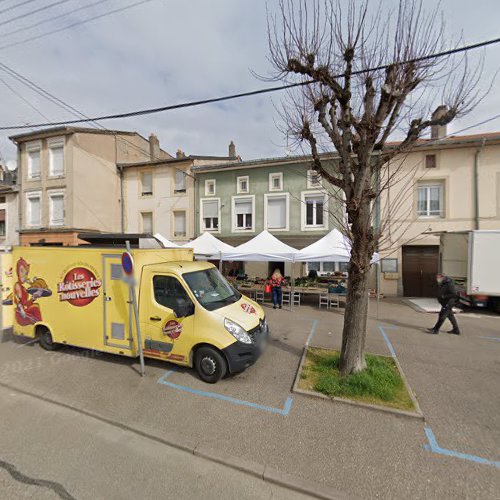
x: 361, y: 452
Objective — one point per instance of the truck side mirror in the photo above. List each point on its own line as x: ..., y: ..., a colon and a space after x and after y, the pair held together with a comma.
x: 183, y: 308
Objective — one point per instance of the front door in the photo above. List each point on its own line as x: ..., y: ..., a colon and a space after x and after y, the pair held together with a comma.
x: 166, y: 335
x: 118, y: 308
x: 420, y: 265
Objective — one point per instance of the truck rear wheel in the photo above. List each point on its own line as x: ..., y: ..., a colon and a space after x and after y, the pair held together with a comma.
x: 210, y: 364
x: 46, y: 342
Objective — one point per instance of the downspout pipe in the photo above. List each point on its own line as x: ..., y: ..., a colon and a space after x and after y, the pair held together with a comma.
x: 475, y: 183
x: 122, y: 204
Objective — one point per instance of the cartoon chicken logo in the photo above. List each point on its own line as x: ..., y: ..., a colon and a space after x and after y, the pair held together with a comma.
x: 27, y: 311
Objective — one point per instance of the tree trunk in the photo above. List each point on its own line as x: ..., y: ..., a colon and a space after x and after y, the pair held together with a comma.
x: 352, y: 358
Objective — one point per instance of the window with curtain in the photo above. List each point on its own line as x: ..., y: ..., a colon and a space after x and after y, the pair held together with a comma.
x: 315, y: 206
x: 146, y: 183
x: 179, y: 224
x: 147, y: 222
x: 429, y: 201
x: 34, y: 163
x: 56, y: 159
x: 243, y: 213
x: 210, y: 215
x: 56, y: 209
x: 277, y: 212
x: 180, y: 181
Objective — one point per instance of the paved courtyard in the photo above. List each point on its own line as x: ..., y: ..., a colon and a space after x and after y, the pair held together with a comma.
x: 363, y: 453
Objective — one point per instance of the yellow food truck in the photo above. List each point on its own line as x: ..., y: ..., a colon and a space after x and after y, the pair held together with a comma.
x: 5, y: 291
x: 188, y: 313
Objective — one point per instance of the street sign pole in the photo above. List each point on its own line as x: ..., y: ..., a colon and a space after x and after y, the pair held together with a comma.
x: 128, y: 268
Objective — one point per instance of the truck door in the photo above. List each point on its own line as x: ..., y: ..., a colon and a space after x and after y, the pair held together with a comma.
x: 167, y: 316
x: 118, y: 312
x: 6, y: 291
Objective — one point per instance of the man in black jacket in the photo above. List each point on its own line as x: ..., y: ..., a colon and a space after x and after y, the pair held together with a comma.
x: 447, y: 297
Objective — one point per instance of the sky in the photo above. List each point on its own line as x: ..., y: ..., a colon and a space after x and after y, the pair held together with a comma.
x: 164, y: 52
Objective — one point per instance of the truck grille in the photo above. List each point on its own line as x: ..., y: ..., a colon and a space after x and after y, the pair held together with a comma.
x: 256, y: 332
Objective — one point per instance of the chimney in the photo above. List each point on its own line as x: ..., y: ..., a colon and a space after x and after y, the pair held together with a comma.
x: 154, y: 147
x: 439, y: 131
x: 180, y: 154
x: 232, y: 150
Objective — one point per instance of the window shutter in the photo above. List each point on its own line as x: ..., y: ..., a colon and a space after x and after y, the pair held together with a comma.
x: 180, y: 223
x: 2, y: 215
x: 57, y: 160
x: 57, y: 209
x: 210, y: 208
x: 34, y: 160
x: 276, y: 213
x: 147, y: 183
x: 147, y: 222
x: 180, y: 181
x: 243, y: 206
x: 34, y: 212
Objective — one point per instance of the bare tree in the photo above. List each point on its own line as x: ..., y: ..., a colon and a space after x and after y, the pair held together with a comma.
x: 373, y: 76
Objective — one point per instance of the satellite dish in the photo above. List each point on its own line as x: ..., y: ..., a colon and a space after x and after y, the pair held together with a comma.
x: 11, y: 165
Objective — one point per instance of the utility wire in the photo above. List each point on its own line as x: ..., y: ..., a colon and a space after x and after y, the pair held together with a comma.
x: 31, y: 12
x: 14, y: 91
x: 17, y: 5
x: 54, y: 18
x: 253, y: 92
x: 77, y: 23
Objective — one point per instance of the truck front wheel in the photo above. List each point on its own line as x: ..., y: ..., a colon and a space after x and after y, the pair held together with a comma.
x: 210, y: 364
x: 46, y: 342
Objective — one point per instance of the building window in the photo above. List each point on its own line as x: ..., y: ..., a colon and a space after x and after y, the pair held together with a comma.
x: 56, y: 209
x: 2, y: 222
x: 210, y: 187
x: 180, y: 181
x: 210, y: 215
x: 147, y: 222
x: 314, y: 209
x: 313, y: 179
x: 146, y: 183
x: 276, y: 181
x: 243, y: 210
x: 430, y: 161
x: 56, y: 157
x: 243, y: 184
x: 33, y: 209
x: 276, y: 208
x: 323, y: 268
x: 180, y: 224
x: 33, y: 152
x: 430, y: 200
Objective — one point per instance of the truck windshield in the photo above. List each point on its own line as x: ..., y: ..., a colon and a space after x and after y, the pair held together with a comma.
x: 211, y: 289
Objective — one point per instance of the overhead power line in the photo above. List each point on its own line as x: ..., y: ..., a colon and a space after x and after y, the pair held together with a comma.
x: 54, y: 18
x: 17, y: 5
x: 190, y: 104
x: 77, y: 23
x: 36, y: 11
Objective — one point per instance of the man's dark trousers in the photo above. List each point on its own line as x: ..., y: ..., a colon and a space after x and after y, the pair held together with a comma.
x: 447, y: 312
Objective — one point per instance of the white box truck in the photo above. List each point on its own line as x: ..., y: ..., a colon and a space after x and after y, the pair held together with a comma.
x: 472, y: 259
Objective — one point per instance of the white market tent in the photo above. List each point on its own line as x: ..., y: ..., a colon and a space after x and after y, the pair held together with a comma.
x: 333, y: 247
x: 208, y: 246
x: 166, y: 243
x: 264, y: 247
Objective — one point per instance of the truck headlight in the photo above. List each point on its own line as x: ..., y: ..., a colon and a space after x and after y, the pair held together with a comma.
x: 237, y: 332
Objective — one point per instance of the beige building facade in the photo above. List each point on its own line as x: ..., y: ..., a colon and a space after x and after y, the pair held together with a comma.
x: 69, y: 182
x: 9, y: 235
x: 446, y: 184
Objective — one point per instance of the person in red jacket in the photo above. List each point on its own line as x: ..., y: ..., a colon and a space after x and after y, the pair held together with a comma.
x: 277, y: 282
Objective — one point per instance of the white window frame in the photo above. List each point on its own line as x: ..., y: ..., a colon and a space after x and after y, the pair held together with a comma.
x: 50, y: 195
x: 277, y: 195
x: 303, y: 217
x: 310, y: 183
x: 202, y: 224
x: 141, y: 193
x: 238, y: 181
x: 56, y: 142
x: 207, y: 183
x: 431, y: 184
x: 176, y: 236
x: 31, y: 147
x: 234, y: 227
x: 273, y: 176
x: 141, y: 220
x: 30, y: 195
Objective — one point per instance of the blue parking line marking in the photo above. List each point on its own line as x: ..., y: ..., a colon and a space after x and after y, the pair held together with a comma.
x: 313, y: 329
x: 284, y: 412
x: 491, y: 338
x: 433, y: 447
x: 387, y: 341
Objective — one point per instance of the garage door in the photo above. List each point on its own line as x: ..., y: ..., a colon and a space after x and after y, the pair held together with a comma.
x: 420, y: 265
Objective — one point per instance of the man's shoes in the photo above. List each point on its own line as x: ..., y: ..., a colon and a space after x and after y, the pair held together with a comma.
x: 455, y: 332
x: 274, y: 307
x: 280, y: 307
x: 431, y: 330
